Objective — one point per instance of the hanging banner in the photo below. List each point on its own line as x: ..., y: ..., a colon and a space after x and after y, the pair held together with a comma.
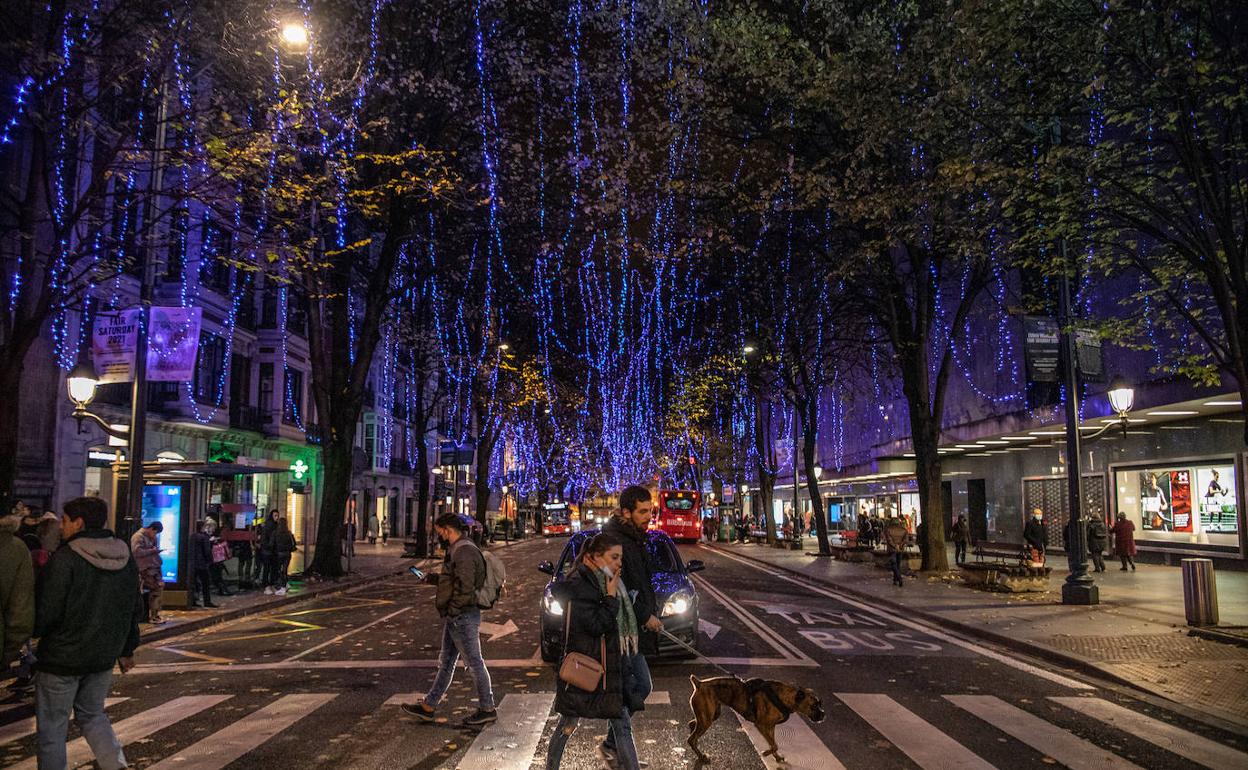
x: 173, y: 342
x: 113, y: 342
x: 1041, y: 348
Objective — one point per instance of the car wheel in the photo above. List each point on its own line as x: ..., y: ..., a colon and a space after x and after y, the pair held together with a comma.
x: 548, y: 654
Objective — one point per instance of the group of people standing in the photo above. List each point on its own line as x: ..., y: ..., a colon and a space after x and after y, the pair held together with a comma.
x: 78, y: 594
x: 1096, y: 535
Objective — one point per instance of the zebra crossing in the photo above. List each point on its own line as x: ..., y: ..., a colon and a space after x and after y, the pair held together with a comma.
x: 515, y: 741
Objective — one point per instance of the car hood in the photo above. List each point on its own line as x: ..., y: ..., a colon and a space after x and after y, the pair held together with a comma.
x: 664, y: 583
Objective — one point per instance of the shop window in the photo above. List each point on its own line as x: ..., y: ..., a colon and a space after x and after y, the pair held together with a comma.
x: 1188, y: 503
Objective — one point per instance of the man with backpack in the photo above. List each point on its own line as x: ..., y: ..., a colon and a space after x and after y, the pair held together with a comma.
x: 469, y: 582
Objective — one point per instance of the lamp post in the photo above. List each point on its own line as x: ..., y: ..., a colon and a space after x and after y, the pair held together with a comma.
x: 1079, y: 587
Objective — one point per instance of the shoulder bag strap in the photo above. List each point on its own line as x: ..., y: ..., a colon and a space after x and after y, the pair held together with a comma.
x: 602, y: 683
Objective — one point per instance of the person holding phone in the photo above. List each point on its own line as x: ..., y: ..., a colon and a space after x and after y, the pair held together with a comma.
x: 145, y: 547
x: 600, y: 623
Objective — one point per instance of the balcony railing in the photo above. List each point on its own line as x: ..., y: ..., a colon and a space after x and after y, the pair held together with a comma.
x: 251, y: 418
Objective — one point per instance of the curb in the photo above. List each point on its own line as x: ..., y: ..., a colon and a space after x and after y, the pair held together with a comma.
x: 1226, y: 634
x: 326, y: 589
x: 1008, y: 642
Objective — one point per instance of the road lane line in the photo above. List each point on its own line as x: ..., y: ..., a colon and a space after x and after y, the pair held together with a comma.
x: 800, y: 747
x: 930, y: 748
x: 309, y: 665
x: 1048, y: 739
x: 1065, y: 681
x: 512, y: 741
x: 344, y: 635
x: 1176, y: 740
x: 137, y: 727
x: 24, y: 727
x: 246, y: 735
x: 659, y: 698
x: 777, y: 642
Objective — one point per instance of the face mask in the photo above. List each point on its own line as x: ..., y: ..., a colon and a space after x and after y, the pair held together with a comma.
x: 606, y: 570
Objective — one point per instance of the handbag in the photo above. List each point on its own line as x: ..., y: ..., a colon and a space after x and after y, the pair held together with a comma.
x: 577, y: 668
x: 220, y: 553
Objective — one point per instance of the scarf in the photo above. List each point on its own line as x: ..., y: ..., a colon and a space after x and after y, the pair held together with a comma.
x: 625, y: 619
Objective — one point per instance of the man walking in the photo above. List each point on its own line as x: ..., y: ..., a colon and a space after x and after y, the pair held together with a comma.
x: 145, y: 547
x: 895, y: 541
x: 17, y: 591
x: 87, y: 619
x: 463, y: 572
x: 629, y: 527
x: 961, y: 536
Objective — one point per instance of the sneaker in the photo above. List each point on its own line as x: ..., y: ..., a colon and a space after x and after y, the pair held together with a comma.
x: 481, y: 717
x: 608, y: 758
x: 281, y: 591
x: 268, y: 590
x: 422, y: 711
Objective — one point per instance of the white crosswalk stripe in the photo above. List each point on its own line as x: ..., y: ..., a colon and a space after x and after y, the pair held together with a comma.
x: 225, y: 746
x: 1048, y: 739
x: 524, y: 719
x: 22, y: 728
x: 1173, y: 739
x: 139, y: 726
x: 800, y: 747
x: 930, y: 748
x: 511, y: 741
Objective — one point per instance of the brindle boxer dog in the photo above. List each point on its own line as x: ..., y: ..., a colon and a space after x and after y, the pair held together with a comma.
x: 764, y: 702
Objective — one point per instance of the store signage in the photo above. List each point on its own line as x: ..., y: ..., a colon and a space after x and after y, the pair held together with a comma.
x: 1041, y: 348
x: 113, y: 342
x: 173, y: 342
x: 299, y: 468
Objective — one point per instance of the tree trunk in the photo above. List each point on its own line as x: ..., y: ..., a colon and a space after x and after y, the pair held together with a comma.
x: 766, y: 478
x: 10, y: 413
x: 422, y: 492
x: 481, y: 485
x: 816, y: 500
x: 336, y: 455
x: 931, y: 499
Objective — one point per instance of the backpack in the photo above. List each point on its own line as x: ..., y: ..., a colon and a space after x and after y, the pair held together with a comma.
x: 495, y: 577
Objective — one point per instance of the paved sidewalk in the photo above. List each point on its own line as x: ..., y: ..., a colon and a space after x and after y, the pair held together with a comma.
x: 1137, y: 634
x: 371, y: 563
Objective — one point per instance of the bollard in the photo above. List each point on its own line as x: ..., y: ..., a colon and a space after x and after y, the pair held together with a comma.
x: 1200, y: 592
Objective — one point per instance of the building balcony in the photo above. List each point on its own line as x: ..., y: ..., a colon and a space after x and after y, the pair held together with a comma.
x: 252, y: 418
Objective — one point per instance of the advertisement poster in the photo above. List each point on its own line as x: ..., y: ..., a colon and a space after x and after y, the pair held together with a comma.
x: 173, y: 344
x: 113, y: 343
x: 163, y: 503
x: 1217, y: 503
x: 1155, y: 501
x: 1181, y: 500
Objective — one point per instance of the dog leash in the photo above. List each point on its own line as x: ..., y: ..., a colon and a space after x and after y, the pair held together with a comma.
x: 697, y: 654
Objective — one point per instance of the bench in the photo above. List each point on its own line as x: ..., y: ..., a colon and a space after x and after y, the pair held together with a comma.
x: 854, y: 552
x: 999, y: 553
x: 1011, y: 578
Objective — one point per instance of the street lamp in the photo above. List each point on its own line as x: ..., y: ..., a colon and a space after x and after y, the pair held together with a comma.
x: 1121, y: 396
x: 748, y: 349
x: 81, y: 384
x: 295, y: 35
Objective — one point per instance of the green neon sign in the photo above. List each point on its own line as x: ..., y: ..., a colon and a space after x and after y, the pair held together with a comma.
x: 299, y: 468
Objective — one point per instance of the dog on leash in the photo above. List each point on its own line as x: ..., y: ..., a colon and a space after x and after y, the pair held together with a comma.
x: 763, y: 702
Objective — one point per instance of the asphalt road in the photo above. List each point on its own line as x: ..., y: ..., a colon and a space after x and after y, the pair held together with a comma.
x: 319, y: 686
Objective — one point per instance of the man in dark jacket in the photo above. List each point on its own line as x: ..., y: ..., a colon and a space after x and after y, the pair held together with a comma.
x: 1098, y: 538
x: 463, y: 572
x: 200, y: 564
x: 629, y: 527
x: 17, y: 591
x: 87, y: 619
x: 1034, y: 535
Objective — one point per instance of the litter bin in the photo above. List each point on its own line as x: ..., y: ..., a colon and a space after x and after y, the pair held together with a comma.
x: 1200, y: 592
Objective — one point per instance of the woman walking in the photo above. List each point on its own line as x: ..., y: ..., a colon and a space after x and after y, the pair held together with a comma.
x: 1124, y: 541
x: 599, y: 623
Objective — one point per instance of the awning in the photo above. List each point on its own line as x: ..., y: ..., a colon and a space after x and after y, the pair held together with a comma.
x: 248, y: 467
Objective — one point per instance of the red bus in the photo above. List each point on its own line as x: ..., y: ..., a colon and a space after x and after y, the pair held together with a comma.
x: 555, y: 520
x: 679, y: 514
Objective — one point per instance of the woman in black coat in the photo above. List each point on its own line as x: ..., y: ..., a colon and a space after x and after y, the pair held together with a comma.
x: 593, y: 615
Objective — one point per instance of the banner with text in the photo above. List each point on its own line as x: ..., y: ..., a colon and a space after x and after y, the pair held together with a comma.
x: 113, y: 343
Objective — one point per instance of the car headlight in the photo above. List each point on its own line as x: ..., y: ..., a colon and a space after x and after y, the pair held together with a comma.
x: 552, y: 605
x: 677, y: 604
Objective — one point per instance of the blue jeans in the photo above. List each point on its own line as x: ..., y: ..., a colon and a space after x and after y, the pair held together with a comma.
x: 637, y: 686
x: 621, y: 727
x: 461, y: 635
x: 55, y: 696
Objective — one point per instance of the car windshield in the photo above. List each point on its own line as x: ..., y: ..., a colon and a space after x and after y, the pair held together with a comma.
x: 663, y: 556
